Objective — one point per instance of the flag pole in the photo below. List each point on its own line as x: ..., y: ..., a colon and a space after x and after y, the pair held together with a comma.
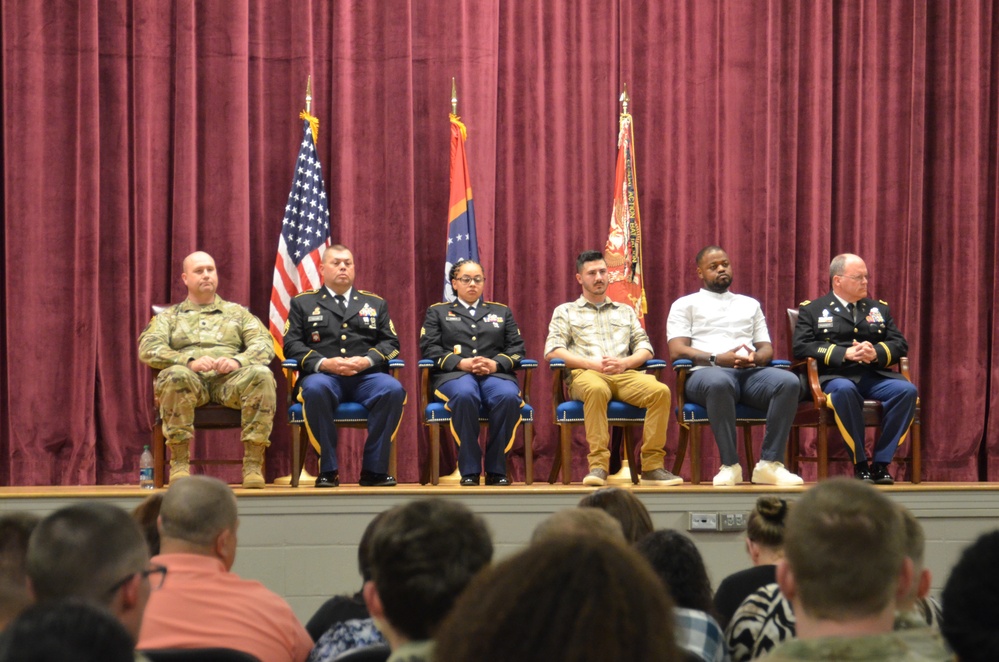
x: 623, y: 476
x: 304, y: 477
x: 455, y: 476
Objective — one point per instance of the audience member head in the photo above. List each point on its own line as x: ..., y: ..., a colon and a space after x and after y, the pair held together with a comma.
x: 15, y: 530
x: 199, y: 516
x: 422, y: 556
x: 623, y: 506
x: 364, y: 547
x: 573, y: 598
x: 66, y: 630
x: 578, y: 522
x: 678, y: 563
x: 844, y: 554
x: 92, y: 551
x: 765, y: 530
x: 971, y: 602
x: 915, y: 547
x: 147, y: 514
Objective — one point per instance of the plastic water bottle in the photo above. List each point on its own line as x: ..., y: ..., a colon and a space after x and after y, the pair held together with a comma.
x: 146, y: 469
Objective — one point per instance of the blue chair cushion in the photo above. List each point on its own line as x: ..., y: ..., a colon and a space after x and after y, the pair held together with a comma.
x: 438, y: 413
x: 617, y: 412
x: 695, y: 413
x: 346, y: 412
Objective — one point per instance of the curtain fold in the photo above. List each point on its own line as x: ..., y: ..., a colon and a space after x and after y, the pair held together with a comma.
x: 137, y: 132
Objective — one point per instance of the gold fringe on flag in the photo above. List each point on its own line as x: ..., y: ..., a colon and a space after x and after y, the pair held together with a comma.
x: 313, y: 123
x: 457, y: 120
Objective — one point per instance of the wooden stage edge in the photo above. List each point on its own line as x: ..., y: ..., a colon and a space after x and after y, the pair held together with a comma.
x: 417, y: 490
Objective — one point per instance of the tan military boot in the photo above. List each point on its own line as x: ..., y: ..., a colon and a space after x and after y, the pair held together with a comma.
x: 253, y: 465
x: 180, y: 466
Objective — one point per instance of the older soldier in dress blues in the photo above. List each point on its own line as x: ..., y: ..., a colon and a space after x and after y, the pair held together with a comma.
x: 210, y: 350
x: 343, y: 339
x: 855, y: 340
x: 475, y: 346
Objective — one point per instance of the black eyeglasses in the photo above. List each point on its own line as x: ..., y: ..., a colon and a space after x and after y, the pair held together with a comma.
x: 478, y: 280
x: 154, y: 573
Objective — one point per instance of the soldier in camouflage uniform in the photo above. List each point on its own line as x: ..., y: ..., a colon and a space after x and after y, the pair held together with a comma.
x: 210, y: 350
x: 845, y: 570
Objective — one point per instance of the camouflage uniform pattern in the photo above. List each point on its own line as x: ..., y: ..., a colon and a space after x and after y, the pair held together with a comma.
x: 189, y: 331
x: 916, y: 645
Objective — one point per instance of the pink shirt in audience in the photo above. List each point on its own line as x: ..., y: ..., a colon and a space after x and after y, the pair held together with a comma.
x: 201, y: 605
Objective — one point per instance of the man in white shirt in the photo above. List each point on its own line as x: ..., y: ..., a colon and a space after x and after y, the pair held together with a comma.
x: 725, y: 336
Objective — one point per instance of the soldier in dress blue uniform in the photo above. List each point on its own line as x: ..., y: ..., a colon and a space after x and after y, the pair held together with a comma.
x: 855, y: 340
x: 475, y: 346
x: 343, y: 339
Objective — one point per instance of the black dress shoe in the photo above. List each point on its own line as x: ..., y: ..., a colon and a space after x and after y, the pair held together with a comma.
x: 497, y: 479
x: 879, y: 472
x: 372, y: 479
x: 469, y: 479
x: 862, y: 471
x: 328, y: 479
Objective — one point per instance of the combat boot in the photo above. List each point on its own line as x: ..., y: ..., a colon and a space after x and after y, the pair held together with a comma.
x: 253, y: 465
x: 180, y: 466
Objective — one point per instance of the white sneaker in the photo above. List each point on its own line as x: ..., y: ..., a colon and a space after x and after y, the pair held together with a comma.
x: 728, y: 475
x: 774, y: 473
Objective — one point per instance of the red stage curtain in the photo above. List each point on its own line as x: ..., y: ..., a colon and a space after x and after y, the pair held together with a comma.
x: 136, y: 132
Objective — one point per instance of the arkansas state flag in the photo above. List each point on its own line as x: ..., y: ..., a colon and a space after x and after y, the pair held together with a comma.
x: 623, y: 252
x: 461, y: 241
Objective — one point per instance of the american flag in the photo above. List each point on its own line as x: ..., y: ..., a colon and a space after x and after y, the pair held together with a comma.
x: 461, y: 241
x: 305, y: 232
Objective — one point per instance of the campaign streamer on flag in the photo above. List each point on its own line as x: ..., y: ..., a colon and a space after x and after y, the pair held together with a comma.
x: 305, y: 232
x: 461, y: 241
x: 623, y: 251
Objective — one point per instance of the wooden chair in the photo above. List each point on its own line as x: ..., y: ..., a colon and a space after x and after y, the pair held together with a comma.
x: 211, y: 416
x: 436, y: 416
x: 692, y: 416
x: 815, y: 413
x: 347, y: 415
x: 569, y: 413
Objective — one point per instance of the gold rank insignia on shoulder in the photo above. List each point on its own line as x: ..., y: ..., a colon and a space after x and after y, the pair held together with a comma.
x: 287, y: 325
x: 392, y: 328
x: 805, y: 302
x: 883, y: 301
x: 423, y: 331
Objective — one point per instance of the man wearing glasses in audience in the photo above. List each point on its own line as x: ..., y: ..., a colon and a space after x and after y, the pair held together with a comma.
x: 855, y: 341
x: 94, y: 552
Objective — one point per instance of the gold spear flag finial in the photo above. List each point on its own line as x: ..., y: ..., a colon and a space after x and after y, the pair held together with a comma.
x: 307, y: 113
x: 454, y: 98
x: 624, y: 99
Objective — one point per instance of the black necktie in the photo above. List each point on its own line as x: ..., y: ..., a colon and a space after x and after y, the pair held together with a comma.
x: 853, y: 311
x: 340, y: 302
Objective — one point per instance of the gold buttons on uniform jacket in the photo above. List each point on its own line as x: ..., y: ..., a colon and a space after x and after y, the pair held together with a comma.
x: 475, y: 351
x: 343, y: 337
x: 343, y: 351
x: 344, y: 325
x: 474, y: 338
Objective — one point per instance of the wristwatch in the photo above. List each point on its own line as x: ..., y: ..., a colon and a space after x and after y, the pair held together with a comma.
x: 712, y: 358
